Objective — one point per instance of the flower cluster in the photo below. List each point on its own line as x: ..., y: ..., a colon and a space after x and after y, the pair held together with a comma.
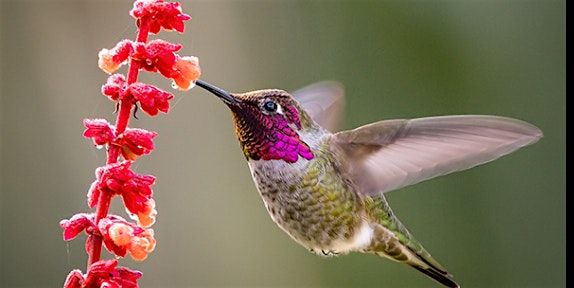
x: 151, y: 98
x: 135, y: 189
x: 104, y: 273
x: 166, y: 15
x: 124, y: 145
x: 119, y: 236
x: 133, y: 142
x: 154, y: 56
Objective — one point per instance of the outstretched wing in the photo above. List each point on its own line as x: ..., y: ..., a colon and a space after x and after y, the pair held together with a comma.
x: 388, y: 155
x: 324, y: 102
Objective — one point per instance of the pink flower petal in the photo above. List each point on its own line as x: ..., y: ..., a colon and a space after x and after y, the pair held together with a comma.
x: 109, y: 242
x: 121, y: 236
x: 185, y: 71
x: 103, y: 273
x: 156, y: 55
x: 145, y: 213
x: 75, y: 279
x: 135, y: 190
x: 99, y: 130
x: 114, y: 87
x: 73, y: 226
x: 159, y: 14
x: 110, y: 60
x: 152, y: 99
x: 136, y: 142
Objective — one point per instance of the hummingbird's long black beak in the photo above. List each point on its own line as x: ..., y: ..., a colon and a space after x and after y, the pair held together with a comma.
x: 224, y: 95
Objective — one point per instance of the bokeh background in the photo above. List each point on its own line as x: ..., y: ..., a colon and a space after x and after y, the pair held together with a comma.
x: 498, y: 225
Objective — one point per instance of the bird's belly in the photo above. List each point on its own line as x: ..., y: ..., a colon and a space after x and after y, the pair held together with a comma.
x: 318, y: 214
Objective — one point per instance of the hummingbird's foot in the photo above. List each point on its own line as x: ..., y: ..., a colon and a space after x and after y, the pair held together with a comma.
x: 329, y: 253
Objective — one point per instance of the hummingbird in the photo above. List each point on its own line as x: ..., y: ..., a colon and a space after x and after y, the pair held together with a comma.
x: 326, y: 189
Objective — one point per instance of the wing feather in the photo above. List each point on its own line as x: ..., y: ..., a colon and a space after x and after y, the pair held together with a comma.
x: 324, y: 102
x: 392, y: 154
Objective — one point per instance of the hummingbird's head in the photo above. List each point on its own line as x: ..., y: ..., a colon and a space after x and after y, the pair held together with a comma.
x: 268, y: 123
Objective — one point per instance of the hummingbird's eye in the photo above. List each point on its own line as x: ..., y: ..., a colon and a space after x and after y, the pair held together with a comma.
x: 270, y: 106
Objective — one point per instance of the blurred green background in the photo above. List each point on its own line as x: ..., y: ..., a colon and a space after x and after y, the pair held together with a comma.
x: 498, y: 225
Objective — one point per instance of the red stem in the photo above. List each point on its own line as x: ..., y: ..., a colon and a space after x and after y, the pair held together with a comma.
x: 122, y: 120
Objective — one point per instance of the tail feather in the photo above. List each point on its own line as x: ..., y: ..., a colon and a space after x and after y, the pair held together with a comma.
x: 386, y: 243
x: 392, y: 240
x: 444, y: 279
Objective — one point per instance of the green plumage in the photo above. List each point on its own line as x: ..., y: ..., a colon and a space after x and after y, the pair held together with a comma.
x: 379, y: 209
x: 322, y: 210
x: 311, y: 204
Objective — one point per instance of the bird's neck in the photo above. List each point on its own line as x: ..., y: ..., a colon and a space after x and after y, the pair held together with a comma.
x: 281, y: 170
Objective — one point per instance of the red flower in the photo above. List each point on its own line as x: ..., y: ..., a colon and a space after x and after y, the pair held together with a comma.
x: 75, y: 279
x: 141, y: 245
x: 135, y: 190
x: 94, y: 192
x: 99, y: 130
x: 121, y: 237
x: 159, y: 56
x: 158, y: 13
x: 156, y: 55
x: 76, y: 224
x: 114, y: 87
x: 109, y: 60
x: 152, y: 99
x: 137, y: 199
x: 103, y: 273
x: 186, y: 70
x: 136, y: 142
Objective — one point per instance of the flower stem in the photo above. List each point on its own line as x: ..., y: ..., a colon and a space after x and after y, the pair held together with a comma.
x: 114, y: 151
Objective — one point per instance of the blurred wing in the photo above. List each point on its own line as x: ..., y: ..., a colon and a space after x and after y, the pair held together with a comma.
x: 388, y: 155
x: 324, y: 102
